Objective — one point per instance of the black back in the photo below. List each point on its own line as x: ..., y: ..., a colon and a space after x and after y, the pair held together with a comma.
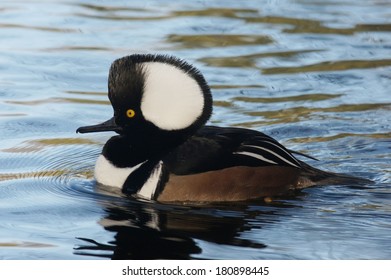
x: 213, y: 148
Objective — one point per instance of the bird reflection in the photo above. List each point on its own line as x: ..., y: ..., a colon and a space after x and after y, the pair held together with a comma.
x: 145, y: 230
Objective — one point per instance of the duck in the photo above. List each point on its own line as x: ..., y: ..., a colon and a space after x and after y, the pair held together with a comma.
x: 165, y: 151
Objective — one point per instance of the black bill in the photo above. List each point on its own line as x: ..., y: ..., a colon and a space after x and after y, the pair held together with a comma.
x: 108, y: 125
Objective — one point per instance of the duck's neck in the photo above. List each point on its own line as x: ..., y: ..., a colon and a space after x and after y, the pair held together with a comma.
x: 123, y: 151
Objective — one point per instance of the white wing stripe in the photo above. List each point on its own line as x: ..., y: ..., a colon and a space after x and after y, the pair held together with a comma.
x: 286, y: 152
x: 273, y: 153
x: 256, y: 156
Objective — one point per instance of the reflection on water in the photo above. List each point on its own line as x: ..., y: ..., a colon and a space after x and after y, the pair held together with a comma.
x: 313, y: 74
x: 149, y: 231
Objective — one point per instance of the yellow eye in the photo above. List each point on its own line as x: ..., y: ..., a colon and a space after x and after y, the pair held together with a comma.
x: 130, y: 113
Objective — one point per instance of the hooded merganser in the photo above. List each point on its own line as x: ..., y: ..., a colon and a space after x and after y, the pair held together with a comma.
x: 165, y: 152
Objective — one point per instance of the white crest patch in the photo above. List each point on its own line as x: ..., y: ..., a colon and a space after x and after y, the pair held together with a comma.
x: 172, y: 99
x: 109, y: 175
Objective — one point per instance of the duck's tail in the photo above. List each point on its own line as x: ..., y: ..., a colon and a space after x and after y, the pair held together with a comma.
x: 311, y: 176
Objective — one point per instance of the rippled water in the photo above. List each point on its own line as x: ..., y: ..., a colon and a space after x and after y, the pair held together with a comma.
x: 316, y: 75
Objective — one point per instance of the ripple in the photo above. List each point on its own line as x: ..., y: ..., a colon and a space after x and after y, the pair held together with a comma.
x: 218, y: 40
x: 106, y: 8
x: 313, y: 97
x: 296, y: 114
x: 218, y: 12
x: 39, y: 28
x: 328, y: 66
x: 40, y: 144
x: 25, y: 244
x: 315, y: 26
x: 386, y: 135
x: 63, y: 163
x: 249, y: 60
x: 33, y: 125
x: 116, y: 13
x: 60, y: 100
x: 77, y: 48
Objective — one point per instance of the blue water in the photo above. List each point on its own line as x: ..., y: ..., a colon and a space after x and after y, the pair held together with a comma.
x: 316, y: 75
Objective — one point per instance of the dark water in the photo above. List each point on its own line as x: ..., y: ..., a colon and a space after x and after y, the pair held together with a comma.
x: 316, y: 75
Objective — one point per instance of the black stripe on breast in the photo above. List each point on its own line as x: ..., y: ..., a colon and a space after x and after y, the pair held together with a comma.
x: 139, y: 177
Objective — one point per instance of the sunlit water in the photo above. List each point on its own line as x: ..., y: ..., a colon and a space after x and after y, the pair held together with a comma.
x: 316, y: 75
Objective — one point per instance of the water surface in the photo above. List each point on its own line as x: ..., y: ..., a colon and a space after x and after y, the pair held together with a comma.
x: 316, y: 75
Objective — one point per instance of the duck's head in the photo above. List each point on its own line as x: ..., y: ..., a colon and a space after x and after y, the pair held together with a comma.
x: 155, y: 96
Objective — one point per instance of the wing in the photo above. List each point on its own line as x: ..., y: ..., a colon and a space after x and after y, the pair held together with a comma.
x: 251, y: 147
x: 213, y: 148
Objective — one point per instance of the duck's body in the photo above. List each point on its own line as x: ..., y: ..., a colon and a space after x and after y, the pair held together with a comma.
x: 164, y: 151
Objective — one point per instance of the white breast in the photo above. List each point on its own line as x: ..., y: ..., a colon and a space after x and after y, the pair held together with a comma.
x: 109, y: 175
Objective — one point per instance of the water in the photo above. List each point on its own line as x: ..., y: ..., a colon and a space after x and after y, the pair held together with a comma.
x: 315, y: 75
